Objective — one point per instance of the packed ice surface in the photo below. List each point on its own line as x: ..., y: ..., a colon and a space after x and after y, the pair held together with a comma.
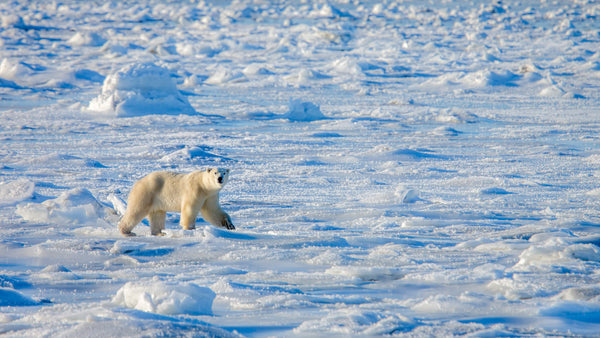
x: 398, y: 168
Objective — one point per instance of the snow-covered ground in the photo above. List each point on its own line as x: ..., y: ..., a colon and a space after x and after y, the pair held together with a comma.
x: 400, y: 168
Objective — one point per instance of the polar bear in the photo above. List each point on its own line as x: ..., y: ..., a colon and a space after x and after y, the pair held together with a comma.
x: 162, y: 191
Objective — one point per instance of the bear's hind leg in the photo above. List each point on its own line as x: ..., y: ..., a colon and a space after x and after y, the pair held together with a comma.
x: 157, y: 222
x: 130, y: 220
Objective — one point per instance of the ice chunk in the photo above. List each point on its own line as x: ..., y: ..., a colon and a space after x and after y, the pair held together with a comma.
x: 13, y: 21
x: 167, y: 298
x: 556, y: 252
x: 585, y: 293
x: 11, y: 297
x: 118, y: 204
x: 223, y: 75
x: 406, y: 195
x: 74, y: 207
x: 193, y: 154
x: 367, y: 273
x: 15, y: 70
x: 125, y: 247
x: 491, y: 78
x: 140, y: 89
x: 57, y: 272
x: 303, y: 111
x: 495, y: 191
x: 347, y: 65
x: 16, y: 191
x: 356, y: 321
x: 86, y: 39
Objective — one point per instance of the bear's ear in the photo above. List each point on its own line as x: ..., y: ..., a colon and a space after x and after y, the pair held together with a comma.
x: 207, y: 170
x: 227, y: 171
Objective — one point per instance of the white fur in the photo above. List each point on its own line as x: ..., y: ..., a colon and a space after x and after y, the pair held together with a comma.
x: 162, y: 191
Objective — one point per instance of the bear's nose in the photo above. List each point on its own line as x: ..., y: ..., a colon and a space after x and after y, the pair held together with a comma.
x: 220, y: 179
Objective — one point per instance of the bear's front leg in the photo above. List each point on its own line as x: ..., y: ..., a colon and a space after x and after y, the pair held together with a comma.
x: 226, y: 222
x: 213, y: 214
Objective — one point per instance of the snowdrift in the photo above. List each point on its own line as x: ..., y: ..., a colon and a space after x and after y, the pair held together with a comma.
x: 74, y: 207
x: 11, y: 297
x: 140, y: 89
x: 166, y: 298
x: 301, y: 111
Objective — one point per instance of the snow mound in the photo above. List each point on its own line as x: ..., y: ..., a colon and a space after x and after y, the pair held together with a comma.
x: 166, y: 298
x: 585, y: 293
x: 140, y: 89
x: 125, y: 247
x: 347, y: 66
x: 11, y: 297
x: 495, y: 191
x: 300, y: 111
x: 367, y: 273
x: 578, y: 311
x: 491, y: 78
x: 15, y: 70
x: 74, y: 207
x: 357, y: 321
x: 556, y: 253
x: 12, y: 21
x: 16, y: 191
x: 86, y: 39
x: 223, y: 75
x: 406, y: 154
x: 57, y: 272
x: 406, y: 195
x: 193, y: 154
x: 94, y: 323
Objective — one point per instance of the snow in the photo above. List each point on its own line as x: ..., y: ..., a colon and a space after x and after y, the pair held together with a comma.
x: 398, y: 168
x: 75, y: 206
x: 300, y: 111
x: 140, y: 89
x: 11, y: 297
x: 15, y: 191
x: 166, y: 298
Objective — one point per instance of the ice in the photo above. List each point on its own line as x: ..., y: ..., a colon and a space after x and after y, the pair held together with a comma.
x: 140, y: 89
x: 194, y: 154
x: 400, y: 168
x: 11, y: 297
x: 223, y: 75
x: 356, y: 322
x: 15, y: 70
x: 300, y: 111
x: 15, y: 191
x: 86, y: 39
x: 57, y: 272
x: 13, y: 21
x: 166, y: 298
x: 74, y: 207
x: 580, y: 311
x: 407, y: 195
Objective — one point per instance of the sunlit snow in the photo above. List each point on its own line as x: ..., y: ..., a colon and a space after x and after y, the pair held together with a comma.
x: 409, y: 168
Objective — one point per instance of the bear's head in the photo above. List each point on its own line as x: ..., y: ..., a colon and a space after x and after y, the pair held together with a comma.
x: 218, y: 176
